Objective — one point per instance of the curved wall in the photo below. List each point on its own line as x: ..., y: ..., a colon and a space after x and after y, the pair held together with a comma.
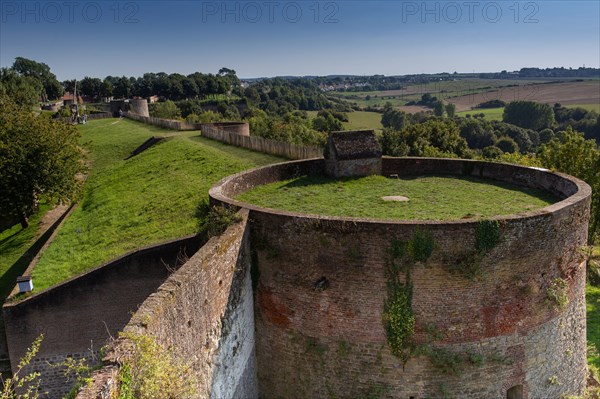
x: 500, y: 330
x: 139, y: 106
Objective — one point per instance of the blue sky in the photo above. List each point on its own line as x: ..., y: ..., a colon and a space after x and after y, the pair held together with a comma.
x: 270, y: 38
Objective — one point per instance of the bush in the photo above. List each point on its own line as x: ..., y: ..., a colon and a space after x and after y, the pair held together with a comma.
x: 506, y: 144
x: 491, y: 152
x: 165, y: 110
x: 154, y: 372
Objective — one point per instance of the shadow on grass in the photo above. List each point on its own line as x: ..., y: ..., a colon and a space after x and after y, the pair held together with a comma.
x: 8, y: 279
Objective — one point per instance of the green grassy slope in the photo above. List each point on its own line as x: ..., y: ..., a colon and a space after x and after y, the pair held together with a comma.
x: 132, y: 203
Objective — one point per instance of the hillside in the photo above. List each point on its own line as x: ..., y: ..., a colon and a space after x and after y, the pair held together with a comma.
x: 133, y: 203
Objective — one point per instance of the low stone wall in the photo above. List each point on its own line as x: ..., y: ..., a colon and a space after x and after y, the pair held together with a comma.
x: 82, y: 314
x: 164, y: 123
x: 204, y: 314
x: 261, y: 144
x: 239, y: 128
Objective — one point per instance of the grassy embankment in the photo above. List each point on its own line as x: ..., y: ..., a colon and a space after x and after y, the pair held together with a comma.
x: 430, y: 197
x: 14, y: 245
x: 133, y: 203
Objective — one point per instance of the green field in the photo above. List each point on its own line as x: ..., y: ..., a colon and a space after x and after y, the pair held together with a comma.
x: 358, y: 120
x: 133, y: 203
x: 589, y: 107
x: 431, y: 197
x: 491, y: 114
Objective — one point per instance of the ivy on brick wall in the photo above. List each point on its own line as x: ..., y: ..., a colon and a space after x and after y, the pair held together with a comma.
x: 487, y: 235
x: 398, y: 317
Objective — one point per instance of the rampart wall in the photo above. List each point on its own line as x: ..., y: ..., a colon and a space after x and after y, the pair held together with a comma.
x: 204, y: 313
x: 324, y: 283
x: 82, y: 314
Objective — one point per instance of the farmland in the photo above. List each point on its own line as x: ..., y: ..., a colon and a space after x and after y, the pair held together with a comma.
x: 568, y: 93
x: 441, y: 89
x: 468, y: 93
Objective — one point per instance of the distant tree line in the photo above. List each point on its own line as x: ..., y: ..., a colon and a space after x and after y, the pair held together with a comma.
x: 534, y: 134
x: 562, y: 72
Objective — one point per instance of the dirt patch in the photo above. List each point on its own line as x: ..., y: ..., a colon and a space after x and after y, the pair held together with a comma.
x: 397, y: 198
x: 587, y: 92
x: 51, y: 217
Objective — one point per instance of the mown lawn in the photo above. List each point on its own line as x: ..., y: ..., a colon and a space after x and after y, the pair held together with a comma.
x: 144, y: 200
x: 430, y: 197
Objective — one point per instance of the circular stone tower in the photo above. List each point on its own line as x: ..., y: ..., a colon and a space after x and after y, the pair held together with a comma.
x: 139, y: 106
x: 467, y: 308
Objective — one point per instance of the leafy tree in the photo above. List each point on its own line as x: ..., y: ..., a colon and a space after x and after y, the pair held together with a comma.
x: 165, y: 110
x: 24, y: 90
x: 529, y: 115
x: 478, y: 133
x: 326, y: 122
x: 492, y: 152
x: 438, y: 108
x: 204, y: 117
x: 546, y: 135
x: 106, y: 89
x: 393, y: 118
x: 188, y: 107
x: 575, y: 155
x: 123, y: 88
x: 506, y: 144
x: 52, y: 89
x: 520, y: 137
x: 37, y: 157
x: 252, y: 95
x: 492, y: 104
x: 190, y: 88
x: 414, y: 140
x: 450, y: 110
x: 90, y: 87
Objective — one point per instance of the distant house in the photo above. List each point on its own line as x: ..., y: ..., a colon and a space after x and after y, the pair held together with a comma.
x: 152, y: 99
x: 352, y: 153
x: 68, y: 99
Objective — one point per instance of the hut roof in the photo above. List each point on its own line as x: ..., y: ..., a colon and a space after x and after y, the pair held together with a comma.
x: 355, y: 144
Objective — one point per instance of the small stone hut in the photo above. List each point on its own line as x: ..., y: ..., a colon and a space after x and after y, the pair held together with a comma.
x: 352, y: 153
